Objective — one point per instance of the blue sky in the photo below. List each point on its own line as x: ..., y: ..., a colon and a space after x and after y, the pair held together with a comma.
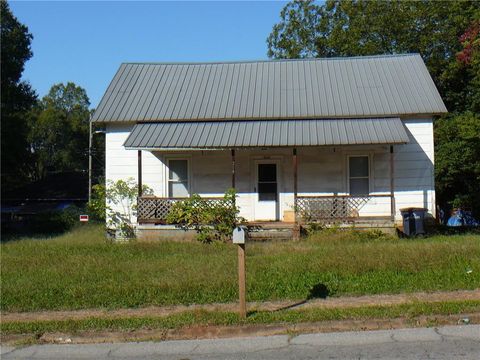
x: 85, y: 42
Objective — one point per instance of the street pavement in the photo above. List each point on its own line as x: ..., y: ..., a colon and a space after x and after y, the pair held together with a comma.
x: 449, y: 342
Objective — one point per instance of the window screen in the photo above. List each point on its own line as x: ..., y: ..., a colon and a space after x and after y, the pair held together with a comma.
x: 267, y: 182
x: 358, y: 175
x: 178, y: 178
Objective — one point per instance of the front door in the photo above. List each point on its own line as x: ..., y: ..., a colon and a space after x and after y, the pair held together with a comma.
x: 266, y: 189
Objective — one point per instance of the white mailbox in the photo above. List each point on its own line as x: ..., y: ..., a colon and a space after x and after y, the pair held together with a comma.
x: 239, y: 235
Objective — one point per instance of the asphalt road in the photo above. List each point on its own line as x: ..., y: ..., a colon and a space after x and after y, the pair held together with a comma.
x: 450, y: 342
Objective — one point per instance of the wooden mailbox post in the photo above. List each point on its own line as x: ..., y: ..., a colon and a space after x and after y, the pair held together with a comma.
x: 239, y: 239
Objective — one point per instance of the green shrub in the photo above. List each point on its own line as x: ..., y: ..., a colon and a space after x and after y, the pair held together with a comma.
x: 212, y: 222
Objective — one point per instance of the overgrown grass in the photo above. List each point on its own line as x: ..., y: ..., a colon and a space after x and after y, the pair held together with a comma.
x: 81, y: 269
x: 202, y: 317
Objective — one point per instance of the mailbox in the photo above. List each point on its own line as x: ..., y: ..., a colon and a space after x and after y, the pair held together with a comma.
x: 239, y: 235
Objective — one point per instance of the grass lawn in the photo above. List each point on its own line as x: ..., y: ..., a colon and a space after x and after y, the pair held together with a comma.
x: 82, y: 270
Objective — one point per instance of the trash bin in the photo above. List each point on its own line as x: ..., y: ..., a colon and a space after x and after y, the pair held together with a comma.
x: 413, y: 221
x: 408, y: 222
x: 419, y: 218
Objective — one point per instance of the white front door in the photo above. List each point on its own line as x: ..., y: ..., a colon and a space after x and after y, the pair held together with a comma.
x: 266, y: 190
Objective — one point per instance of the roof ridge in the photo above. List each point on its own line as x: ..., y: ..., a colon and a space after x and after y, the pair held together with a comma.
x: 270, y: 60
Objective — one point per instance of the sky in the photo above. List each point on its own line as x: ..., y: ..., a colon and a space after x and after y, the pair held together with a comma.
x: 85, y: 42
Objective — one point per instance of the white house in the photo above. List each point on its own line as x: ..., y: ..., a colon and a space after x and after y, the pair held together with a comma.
x: 343, y: 139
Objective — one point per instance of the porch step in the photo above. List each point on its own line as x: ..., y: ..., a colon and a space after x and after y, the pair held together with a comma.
x: 267, y: 231
x: 268, y: 235
x: 270, y: 225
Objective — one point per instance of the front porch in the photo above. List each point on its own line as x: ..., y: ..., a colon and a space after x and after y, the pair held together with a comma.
x: 286, y: 188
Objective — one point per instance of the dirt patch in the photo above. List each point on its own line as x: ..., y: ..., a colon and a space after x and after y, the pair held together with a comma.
x: 159, y: 311
x: 213, y: 332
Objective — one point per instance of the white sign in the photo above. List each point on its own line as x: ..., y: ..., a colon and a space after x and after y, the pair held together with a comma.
x: 83, y: 218
x: 238, y: 235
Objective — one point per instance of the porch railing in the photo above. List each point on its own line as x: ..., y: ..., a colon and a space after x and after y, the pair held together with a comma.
x: 332, y: 208
x: 151, y: 209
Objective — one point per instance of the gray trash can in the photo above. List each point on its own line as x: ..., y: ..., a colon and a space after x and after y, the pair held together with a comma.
x: 413, y: 221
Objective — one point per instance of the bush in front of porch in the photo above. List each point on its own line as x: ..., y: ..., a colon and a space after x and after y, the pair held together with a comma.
x: 212, y: 220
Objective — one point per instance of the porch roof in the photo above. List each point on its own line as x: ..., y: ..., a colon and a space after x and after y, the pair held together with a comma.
x: 266, y: 133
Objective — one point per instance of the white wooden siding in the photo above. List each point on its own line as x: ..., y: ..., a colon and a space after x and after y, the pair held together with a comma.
x: 321, y: 170
x: 121, y: 164
x: 414, y: 167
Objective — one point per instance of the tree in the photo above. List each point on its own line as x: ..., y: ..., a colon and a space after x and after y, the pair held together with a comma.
x: 59, y: 133
x: 457, y: 166
x: 360, y: 27
x: 469, y: 59
x: 301, y: 32
x: 457, y: 136
x: 17, y: 98
x: 444, y: 33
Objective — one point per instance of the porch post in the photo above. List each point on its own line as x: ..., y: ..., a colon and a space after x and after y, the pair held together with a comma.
x: 392, y: 185
x: 140, y: 173
x: 296, y: 228
x: 233, y: 175
x: 233, y: 168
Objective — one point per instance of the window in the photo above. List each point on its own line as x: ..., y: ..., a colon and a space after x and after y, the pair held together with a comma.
x: 178, y: 178
x: 358, y: 170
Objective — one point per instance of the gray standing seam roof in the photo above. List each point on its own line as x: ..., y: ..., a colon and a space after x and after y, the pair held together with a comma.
x: 268, y: 133
x: 370, y: 86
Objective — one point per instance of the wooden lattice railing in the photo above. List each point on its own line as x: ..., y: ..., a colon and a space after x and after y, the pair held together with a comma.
x: 151, y: 209
x: 330, y: 208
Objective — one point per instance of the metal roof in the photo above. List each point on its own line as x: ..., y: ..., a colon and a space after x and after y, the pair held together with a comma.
x: 384, y: 85
x: 267, y: 133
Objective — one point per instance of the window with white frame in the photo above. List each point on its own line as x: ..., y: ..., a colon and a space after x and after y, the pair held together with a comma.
x: 178, y: 183
x: 358, y: 175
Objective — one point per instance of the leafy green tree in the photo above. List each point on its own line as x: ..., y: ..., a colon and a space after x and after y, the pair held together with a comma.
x: 121, y: 205
x: 17, y: 98
x: 457, y: 165
x: 60, y: 130
x: 457, y: 136
x: 360, y: 27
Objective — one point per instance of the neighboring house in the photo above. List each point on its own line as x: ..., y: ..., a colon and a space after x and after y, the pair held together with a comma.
x: 338, y: 139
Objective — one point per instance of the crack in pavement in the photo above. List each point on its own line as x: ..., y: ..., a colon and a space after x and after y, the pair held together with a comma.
x: 9, y: 352
x: 392, y: 337
x: 437, y: 331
